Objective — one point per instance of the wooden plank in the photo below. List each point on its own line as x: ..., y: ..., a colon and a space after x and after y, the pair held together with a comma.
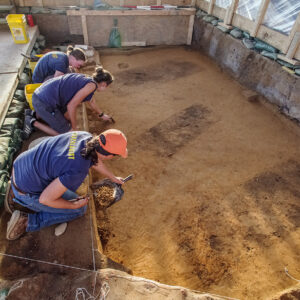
x: 295, y: 28
x: 294, y: 46
x: 84, y: 30
x: 131, y: 44
x: 272, y: 37
x: 211, y: 6
x: 219, y: 12
x: 193, y: 2
x: 204, y: 5
x: 190, y: 30
x: 242, y: 23
x: 181, y: 12
x: 260, y: 16
x: 230, y: 11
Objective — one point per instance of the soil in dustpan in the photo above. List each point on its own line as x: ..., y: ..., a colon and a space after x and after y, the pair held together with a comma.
x: 104, y: 196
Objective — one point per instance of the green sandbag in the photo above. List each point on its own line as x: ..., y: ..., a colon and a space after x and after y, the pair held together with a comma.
x: 246, y: 34
x: 11, y: 139
x: 20, y: 95
x: 215, y: 22
x: 115, y: 36
x: 224, y: 29
x: 4, y: 178
x: 209, y: 18
x: 248, y: 43
x: 286, y: 64
x: 200, y: 13
x: 6, y: 158
x: 260, y: 45
x: 16, y: 109
x: 236, y: 33
x: 297, y: 72
x: 11, y: 124
x: 269, y: 54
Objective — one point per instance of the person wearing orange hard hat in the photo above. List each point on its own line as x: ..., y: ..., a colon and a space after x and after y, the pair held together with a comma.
x: 46, y: 177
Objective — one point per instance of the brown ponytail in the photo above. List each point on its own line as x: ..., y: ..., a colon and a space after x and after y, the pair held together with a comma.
x: 102, y: 75
x: 89, y: 151
x: 76, y: 52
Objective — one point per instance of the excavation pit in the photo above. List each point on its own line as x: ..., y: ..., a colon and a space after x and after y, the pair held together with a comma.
x: 214, y: 205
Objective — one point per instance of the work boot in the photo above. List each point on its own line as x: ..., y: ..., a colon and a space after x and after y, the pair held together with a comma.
x: 28, y: 127
x: 8, y: 200
x: 16, y: 226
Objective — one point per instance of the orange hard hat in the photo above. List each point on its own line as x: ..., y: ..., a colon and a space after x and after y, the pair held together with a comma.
x: 115, y: 142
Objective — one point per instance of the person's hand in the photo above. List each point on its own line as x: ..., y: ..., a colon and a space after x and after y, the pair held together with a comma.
x: 81, y: 202
x: 118, y: 180
x: 107, y: 118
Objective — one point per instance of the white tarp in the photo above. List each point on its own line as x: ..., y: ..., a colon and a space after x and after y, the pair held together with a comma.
x: 280, y: 16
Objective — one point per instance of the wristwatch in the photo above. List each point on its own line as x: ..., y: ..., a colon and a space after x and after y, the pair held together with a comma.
x: 101, y: 115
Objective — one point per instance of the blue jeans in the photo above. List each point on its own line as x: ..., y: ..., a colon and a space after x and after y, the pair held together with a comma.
x: 46, y: 215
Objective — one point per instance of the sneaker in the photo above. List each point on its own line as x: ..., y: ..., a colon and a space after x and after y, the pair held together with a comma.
x: 8, y: 200
x: 29, y: 112
x: 28, y: 126
x: 16, y: 226
x: 60, y: 229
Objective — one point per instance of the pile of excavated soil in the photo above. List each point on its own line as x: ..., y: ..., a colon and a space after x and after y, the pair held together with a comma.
x: 214, y: 204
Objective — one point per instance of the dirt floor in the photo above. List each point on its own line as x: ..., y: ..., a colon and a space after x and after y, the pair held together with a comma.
x: 214, y: 204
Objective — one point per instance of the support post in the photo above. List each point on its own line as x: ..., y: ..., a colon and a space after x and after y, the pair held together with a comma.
x: 84, y: 30
x: 260, y: 16
x: 229, y: 14
x: 292, y: 44
x: 211, y: 6
x: 190, y: 30
x: 193, y: 2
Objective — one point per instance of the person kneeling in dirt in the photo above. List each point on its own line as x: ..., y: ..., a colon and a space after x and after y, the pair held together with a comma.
x: 45, y: 178
x: 56, y: 100
x: 56, y: 63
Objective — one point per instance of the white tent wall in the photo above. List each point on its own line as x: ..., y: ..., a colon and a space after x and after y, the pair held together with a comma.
x: 276, y: 22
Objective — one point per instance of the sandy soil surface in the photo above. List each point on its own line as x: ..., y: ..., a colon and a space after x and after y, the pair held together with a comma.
x: 214, y: 204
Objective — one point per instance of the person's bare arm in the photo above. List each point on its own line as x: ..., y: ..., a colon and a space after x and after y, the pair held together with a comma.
x: 76, y: 100
x: 58, y: 73
x: 51, y: 196
x: 95, y: 107
x: 101, y: 168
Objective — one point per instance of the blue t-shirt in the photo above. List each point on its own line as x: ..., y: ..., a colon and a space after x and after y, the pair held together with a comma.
x: 49, y: 64
x: 55, y: 157
x: 59, y: 91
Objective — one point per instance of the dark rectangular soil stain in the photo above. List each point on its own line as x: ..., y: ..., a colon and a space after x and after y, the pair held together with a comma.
x: 167, y: 71
x: 175, y: 132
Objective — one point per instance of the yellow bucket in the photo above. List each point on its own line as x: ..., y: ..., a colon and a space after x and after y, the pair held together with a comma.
x: 32, y: 64
x: 29, y: 90
x: 18, y: 27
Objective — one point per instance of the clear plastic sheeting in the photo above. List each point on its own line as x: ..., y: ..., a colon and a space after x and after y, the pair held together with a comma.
x: 223, y: 3
x: 282, y: 14
x: 248, y: 8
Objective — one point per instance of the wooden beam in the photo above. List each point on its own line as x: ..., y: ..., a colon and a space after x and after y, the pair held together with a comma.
x: 179, y: 12
x: 260, y: 16
x: 230, y: 11
x: 211, y: 6
x: 84, y: 30
x: 292, y: 50
x: 193, y: 2
x: 190, y: 30
x: 295, y: 29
